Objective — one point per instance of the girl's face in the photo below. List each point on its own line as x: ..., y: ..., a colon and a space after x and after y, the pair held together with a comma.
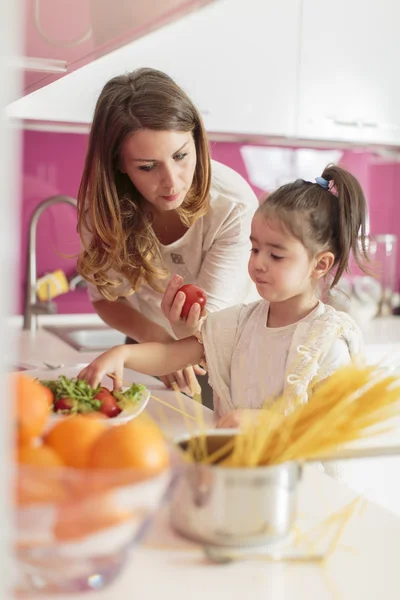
x: 161, y: 166
x: 279, y: 264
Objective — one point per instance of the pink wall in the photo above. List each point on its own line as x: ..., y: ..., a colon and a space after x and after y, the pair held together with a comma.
x: 52, y: 165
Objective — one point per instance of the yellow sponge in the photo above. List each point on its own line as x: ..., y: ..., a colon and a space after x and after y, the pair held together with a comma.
x: 51, y: 285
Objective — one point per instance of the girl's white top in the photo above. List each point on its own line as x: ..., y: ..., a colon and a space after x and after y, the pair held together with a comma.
x: 249, y: 363
x: 212, y: 254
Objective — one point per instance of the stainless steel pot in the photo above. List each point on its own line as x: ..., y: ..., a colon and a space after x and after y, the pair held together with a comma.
x: 222, y: 506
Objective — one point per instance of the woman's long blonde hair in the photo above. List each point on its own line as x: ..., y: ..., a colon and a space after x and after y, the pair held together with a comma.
x: 116, y: 232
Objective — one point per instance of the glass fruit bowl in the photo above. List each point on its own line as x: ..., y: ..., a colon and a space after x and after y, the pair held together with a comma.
x: 76, y: 528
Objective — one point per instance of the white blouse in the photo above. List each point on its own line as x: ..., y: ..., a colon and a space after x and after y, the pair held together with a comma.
x: 259, y: 360
x: 212, y: 254
x: 249, y: 363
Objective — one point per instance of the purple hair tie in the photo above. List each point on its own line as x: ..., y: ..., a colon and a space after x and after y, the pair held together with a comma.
x: 327, y: 185
x: 332, y: 188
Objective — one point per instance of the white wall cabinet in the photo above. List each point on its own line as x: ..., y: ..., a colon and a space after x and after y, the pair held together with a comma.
x: 349, y: 72
x: 237, y: 60
x: 299, y: 69
x: 63, y: 35
x: 232, y: 62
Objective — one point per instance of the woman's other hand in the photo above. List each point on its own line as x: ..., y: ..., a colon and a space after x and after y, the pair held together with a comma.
x: 184, y: 379
x: 238, y: 418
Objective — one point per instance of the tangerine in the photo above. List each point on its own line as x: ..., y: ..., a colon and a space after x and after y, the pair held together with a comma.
x: 138, y: 444
x: 31, y: 407
x: 38, y: 456
x: 49, y: 394
x: 73, y: 437
x: 39, y: 476
x: 82, y: 518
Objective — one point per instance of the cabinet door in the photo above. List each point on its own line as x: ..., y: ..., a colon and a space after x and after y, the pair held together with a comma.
x: 349, y: 83
x: 62, y: 35
x: 236, y: 59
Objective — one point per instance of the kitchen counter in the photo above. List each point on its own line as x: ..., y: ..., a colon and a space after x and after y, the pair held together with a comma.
x: 381, y: 335
x: 168, y: 566
x: 382, y: 340
x: 364, y: 566
x: 44, y: 347
x: 382, y: 330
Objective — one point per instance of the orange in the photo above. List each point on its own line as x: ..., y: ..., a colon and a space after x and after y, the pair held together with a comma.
x: 38, y: 456
x: 39, y: 476
x: 96, y: 415
x: 138, y: 444
x: 82, y: 518
x: 39, y: 489
x: 49, y: 395
x: 73, y: 437
x: 31, y: 407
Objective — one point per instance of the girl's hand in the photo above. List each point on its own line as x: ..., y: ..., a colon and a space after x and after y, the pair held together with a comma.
x: 237, y: 418
x: 183, y: 378
x: 111, y: 361
x: 172, y: 304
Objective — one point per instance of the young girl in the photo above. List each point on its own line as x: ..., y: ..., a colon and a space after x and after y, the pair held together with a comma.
x: 152, y: 204
x: 288, y: 341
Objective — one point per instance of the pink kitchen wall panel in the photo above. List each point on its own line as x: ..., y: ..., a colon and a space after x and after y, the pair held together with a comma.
x: 384, y: 182
x: 53, y: 163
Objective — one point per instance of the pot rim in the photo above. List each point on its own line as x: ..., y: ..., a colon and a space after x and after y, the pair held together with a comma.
x: 208, y: 432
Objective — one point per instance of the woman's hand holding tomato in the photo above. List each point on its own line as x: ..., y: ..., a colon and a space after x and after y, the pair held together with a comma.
x: 184, y: 313
x: 183, y: 306
x: 193, y: 295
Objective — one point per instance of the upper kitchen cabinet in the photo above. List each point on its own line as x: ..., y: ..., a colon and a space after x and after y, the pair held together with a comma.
x: 231, y: 59
x: 349, y: 83
x: 237, y: 60
x: 63, y: 35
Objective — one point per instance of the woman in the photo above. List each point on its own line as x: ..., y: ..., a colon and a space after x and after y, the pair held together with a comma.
x: 152, y: 204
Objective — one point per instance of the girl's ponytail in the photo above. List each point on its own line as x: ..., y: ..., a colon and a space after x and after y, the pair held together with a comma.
x: 350, y: 234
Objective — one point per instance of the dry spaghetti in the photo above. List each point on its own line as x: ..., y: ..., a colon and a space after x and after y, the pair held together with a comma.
x: 346, y: 407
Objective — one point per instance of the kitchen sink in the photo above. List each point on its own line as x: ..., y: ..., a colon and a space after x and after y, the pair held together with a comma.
x: 88, y: 338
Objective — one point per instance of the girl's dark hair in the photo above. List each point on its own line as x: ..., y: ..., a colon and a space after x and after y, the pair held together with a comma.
x: 117, y: 237
x: 322, y: 221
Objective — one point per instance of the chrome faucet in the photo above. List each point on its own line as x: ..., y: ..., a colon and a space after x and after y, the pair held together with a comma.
x: 33, y: 307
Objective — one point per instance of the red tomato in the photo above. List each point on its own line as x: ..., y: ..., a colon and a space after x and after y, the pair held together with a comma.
x: 109, y: 406
x: 193, y: 294
x: 63, y: 404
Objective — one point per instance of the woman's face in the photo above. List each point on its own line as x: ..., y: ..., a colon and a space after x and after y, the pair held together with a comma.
x: 161, y: 166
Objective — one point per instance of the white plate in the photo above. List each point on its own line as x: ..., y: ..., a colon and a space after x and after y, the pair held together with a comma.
x: 73, y: 371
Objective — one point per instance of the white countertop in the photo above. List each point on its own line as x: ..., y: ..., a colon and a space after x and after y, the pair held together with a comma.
x: 382, y: 340
x: 367, y: 561
x: 381, y: 335
x: 382, y: 330
x: 167, y: 566
x: 44, y: 347
x: 364, y: 565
